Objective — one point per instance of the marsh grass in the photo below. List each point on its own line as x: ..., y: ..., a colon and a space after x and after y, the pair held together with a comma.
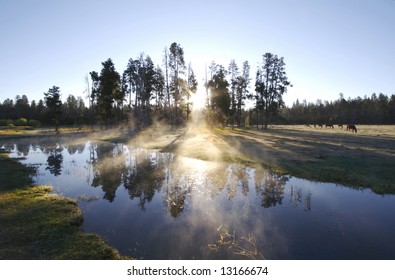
x: 36, y: 224
x: 244, y: 246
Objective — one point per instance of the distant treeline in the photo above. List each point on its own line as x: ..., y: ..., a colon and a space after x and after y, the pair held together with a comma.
x: 22, y: 112
x: 368, y: 110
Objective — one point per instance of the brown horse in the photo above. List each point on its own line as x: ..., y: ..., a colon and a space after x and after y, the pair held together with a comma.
x: 352, y: 128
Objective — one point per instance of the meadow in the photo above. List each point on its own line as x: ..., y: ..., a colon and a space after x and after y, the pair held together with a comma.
x: 365, y: 159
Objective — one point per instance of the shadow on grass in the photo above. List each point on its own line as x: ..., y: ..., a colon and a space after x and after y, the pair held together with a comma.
x: 357, y: 161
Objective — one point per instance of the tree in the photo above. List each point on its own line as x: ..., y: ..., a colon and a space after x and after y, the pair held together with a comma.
x: 141, y: 77
x: 94, y: 92
x: 149, y: 81
x: 271, y: 83
x: 81, y: 110
x: 119, y: 96
x: 54, y: 105
x: 391, y: 105
x: 129, y: 78
x: 109, y: 89
x: 220, y: 99
x: 233, y: 71
x: 40, y: 111
x: 166, y: 64
x: 22, y: 108
x: 70, y: 112
x: 159, y: 86
x: 8, y: 109
x: 191, y: 87
x: 177, y: 67
x: 242, y: 83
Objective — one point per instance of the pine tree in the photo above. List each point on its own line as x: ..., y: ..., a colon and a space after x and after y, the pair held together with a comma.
x: 220, y: 100
x: 271, y: 83
x: 109, y: 89
x: 177, y: 67
x: 54, y: 105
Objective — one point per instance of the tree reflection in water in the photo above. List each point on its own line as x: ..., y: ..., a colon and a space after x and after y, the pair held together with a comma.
x: 108, y: 170
x: 54, y: 161
x: 297, y: 198
x: 270, y: 187
x: 144, y: 175
x: 237, y: 179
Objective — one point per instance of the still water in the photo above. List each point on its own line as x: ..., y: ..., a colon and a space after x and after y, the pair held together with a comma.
x: 153, y: 205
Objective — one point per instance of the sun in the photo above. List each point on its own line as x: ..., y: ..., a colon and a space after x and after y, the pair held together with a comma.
x: 199, y: 100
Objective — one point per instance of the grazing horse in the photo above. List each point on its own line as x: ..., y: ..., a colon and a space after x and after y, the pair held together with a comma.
x: 352, y: 128
x: 340, y: 126
x: 329, y: 125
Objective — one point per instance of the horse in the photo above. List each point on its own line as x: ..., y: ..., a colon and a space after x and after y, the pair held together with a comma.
x: 352, y: 128
x: 329, y: 125
x: 340, y: 126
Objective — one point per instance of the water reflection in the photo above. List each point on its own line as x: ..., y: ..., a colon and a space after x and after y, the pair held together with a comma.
x: 107, y: 170
x: 144, y: 175
x: 54, y: 162
x: 270, y: 188
x: 297, y: 198
x: 162, y: 206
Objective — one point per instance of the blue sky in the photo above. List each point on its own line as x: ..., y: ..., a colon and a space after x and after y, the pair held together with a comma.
x: 329, y: 46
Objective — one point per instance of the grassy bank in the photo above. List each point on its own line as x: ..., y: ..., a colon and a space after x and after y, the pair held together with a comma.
x: 38, y: 225
x: 23, y: 131
x: 363, y: 159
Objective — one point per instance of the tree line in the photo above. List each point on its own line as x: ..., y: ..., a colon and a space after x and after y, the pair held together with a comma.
x: 145, y: 93
x: 376, y: 109
x: 22, y: 112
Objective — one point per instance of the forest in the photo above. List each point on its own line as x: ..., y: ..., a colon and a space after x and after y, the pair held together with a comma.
x: 145, y: 93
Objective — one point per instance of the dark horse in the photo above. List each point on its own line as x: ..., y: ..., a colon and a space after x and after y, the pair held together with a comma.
x: 352, y: 128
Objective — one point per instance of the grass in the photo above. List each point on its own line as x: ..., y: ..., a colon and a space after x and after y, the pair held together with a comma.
x: 22, y: 131
x: 36, y: 224
x: 245, y: 246
x: 364, y: 159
